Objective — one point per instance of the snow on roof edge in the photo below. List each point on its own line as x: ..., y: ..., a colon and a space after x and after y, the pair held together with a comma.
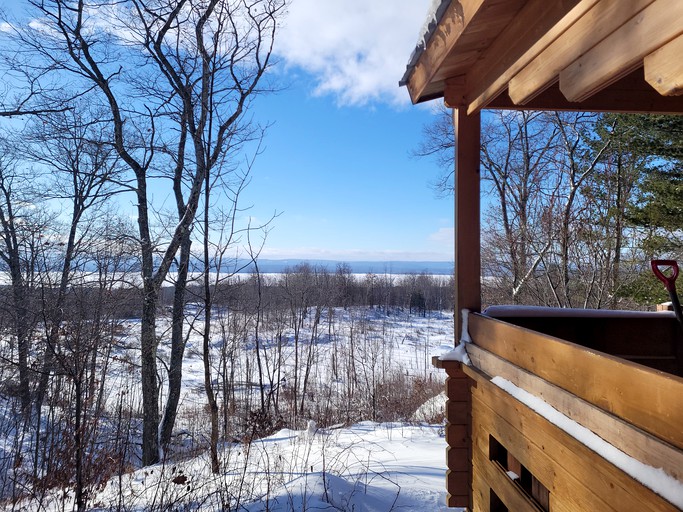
x: 434, y: 15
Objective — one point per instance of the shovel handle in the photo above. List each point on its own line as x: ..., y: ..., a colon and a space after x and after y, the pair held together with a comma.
x: 669, y: 281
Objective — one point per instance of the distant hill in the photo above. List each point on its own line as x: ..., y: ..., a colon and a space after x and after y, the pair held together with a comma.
x: 267, y: 266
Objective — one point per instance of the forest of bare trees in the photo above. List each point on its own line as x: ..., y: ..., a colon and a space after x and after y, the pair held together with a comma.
x: 575, y: 205
x: 106, y: 107
x: 118, y: 102
x: 270, y: 334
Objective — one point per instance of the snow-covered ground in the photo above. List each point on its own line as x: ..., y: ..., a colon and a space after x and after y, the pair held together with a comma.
x: 363, y: 466
x: 369, y: 467
x: 375, y: 344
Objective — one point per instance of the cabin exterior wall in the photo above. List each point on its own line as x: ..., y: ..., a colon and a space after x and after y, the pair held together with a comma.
x: 502, y: 455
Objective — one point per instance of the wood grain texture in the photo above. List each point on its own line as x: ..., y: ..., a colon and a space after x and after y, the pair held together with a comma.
x: 493, y: 476
x: 653, y: 341
x: 629, y: 439
x: 623, y: 50
x: 646, y: 398
x: 537, y: 24
x: 458, y: 435
x: 467, y: 130
x: 630, y: 94
x: 454, y: 20
x: 588, y: 30
x: 664, y: 68
x: 576, y: 477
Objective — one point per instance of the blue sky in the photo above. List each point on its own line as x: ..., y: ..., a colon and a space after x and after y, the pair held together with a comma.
x: 344, y: 181
x: 336, y: 164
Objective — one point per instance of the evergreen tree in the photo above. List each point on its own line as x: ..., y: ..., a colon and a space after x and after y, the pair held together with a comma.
x: 659, y: 209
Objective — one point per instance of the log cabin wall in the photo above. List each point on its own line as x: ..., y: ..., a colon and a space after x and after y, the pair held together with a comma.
x: 520, y: 461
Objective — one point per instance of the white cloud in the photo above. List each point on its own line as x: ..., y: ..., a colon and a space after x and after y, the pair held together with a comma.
x: 356, y: 50
x: 443, y: 235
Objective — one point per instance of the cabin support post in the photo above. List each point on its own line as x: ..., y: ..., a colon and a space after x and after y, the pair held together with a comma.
x: 467, y: 129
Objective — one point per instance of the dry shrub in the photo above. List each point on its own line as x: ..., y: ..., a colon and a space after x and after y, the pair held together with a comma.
x: 399, y: 396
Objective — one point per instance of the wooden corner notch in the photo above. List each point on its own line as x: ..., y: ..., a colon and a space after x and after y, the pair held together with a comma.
x: 454, y: 92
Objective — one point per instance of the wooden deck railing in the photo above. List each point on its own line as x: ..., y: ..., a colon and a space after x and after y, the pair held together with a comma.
x: 637, y: 409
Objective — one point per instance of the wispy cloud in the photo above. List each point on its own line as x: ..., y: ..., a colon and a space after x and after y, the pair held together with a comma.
x: 356, y: 50
x: 444, y: 236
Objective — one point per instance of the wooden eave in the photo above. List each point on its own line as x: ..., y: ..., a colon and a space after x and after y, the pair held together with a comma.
x: 601, y: 55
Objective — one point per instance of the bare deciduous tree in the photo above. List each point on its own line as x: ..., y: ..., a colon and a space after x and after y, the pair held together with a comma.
x: 16, y: 221
x: 176, y: 78
x: 557, y: 203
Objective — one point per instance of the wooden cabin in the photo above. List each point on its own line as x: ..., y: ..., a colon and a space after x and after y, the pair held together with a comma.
x: 616, y: 374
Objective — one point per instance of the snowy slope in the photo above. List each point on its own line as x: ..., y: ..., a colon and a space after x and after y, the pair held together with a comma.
x: 362, y: 467
x: 367, y: 467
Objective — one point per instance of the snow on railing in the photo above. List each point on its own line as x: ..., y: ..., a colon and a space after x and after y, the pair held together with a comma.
x: 459, y: 353
x: 653, y: 478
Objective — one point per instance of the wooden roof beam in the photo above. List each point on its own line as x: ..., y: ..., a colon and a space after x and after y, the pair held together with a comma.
x: 629, y: 95
x: 664, y: 68
x: 594, y: 25
x: 536, y: 25
x: 454, y: 92
x: 608, y: 61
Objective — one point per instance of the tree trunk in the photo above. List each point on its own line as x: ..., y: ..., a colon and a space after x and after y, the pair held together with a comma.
x: 208, y: 386
x: 148, y: 370
x: 178, y: 341
x: 23, y: 341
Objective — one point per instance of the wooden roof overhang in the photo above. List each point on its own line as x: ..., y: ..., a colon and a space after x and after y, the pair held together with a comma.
x: 589, y: 55
x: 594, y: 55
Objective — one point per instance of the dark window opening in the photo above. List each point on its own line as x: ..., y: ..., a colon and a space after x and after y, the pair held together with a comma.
x: 522, y: 477
x: 496, y: 504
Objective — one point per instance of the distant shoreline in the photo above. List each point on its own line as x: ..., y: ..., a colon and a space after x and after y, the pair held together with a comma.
x: 272, y: 266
